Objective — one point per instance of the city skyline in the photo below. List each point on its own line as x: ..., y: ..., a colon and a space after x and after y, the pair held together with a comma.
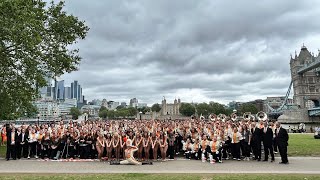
x: 194, y: 50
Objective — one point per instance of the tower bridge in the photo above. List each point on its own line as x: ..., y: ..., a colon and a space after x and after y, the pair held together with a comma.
x: 305, y: 81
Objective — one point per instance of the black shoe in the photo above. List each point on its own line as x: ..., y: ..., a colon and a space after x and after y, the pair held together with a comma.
x: 272, y: 160
x: 258, y: 159
x: 265, y: 160
x: 7, y: 159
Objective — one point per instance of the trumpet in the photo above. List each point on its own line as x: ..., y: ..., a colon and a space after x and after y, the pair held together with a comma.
x: 262, y: 116
x: 247, y: 116
x: 213, y: 117
x: 233, y: 116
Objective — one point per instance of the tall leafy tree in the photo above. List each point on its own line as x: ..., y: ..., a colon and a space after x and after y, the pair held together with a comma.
x: 187, y: 109
x: 36, y: 41
x: 156, y: 107
x: 75, y: 112
x: 248, y: 107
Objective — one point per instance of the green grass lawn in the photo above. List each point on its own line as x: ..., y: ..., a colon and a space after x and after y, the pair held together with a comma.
x: 162, y: 176
x: 303, y: 145
x: 299, y: 145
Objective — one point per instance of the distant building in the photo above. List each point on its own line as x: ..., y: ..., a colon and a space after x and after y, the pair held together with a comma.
x: 123, y: 104
x: 76, y: 91
x: 67, y: 92
x: 92, y: 110
x: 170, y: 109
x: 96, y: 102
x: 235, y: 105
x: 112, y: 105
x: 141, y: 105
x: 66, y: 105
x: 133, y: 102
x: 259, y: 104
x: 60, y: 89
x: 47, y: 108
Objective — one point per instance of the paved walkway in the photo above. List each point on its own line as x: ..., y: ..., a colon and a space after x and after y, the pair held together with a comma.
x: 298, y: 165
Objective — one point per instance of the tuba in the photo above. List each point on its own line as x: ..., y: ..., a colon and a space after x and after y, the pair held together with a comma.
x: 262, y: 116
x: 247, y: 116
x: 213, y: 117
x: 233, y: 116
x: 222, y: 117
x: 202, y: 117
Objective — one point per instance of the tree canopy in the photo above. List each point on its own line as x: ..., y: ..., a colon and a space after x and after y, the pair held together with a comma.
x: 248, y: 107
x: 75, y: 112
x: 36, y: 41
x: 156, y: 107
x: 187, y: 109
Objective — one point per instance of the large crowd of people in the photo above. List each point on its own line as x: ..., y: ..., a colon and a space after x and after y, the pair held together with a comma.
x: 207, y: 140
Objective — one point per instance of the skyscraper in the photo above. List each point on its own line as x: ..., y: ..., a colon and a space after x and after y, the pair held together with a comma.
x: 60, y: 90
x: 76, y: 91
x: 67, y: 92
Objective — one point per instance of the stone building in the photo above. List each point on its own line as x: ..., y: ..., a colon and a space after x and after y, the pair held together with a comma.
x: 170, y: 109
x: 306, y: 82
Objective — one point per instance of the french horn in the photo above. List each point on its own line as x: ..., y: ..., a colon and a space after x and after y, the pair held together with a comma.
x: 262, y: 116
x: 247, y: 116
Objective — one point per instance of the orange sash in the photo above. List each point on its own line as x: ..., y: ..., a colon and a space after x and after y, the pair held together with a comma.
x: 234, y: 137
x: 213, y: 147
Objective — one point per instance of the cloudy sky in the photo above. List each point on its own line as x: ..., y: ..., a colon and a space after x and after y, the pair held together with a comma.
x: 200, y: 51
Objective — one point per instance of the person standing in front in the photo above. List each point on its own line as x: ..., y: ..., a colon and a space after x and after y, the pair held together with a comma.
x: 267, y: 137
x: 282, y: 142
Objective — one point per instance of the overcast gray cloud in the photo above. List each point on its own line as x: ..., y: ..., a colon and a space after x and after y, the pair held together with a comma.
x: 208, y: 50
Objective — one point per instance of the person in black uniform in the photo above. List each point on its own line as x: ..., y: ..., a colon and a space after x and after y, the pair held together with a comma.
x: 282, y: 142
x: 23, y: 140
x: 256, y: 141
x: 12, y: 138
x: 267, y: 142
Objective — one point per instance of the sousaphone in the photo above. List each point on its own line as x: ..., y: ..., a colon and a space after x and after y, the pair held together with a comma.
x: 262, y: 116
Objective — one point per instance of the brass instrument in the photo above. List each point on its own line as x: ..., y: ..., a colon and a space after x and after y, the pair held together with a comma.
x: 213, y: 117
x: 247, y: 116
x: 234, y: 116
x: 262, y: 116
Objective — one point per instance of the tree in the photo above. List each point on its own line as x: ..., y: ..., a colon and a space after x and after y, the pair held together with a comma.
x: 217, y: 108
x: 103, y: 113
x: 75, y: 112
x: 187, y: 109
x: 156, y: 107
x: 203, y: 108
x: 132, y: 111
x: 248, y: 107
x: 36, y: 41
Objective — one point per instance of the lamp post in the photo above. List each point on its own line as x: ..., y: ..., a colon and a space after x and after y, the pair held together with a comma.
x: 140, y: 114
x: 38, y: 119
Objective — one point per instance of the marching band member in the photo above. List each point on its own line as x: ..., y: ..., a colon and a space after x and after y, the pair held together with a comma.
x: 267, y: 142
x: 129, y: 158
x: 163, y: 144
x: 32, y: 141
x: 256, y: 141
x: 100, y: 145
x: 146, y: 144
x: 154, y: 141
x: 109, y: 145
x: 138, y: 143
x: 117, y: 145
x: 236, y: 136
x: 45, y: 145
x: 204, y: 148
x: 23, y: 140
x: 215, y: 150
x: 54, y: 146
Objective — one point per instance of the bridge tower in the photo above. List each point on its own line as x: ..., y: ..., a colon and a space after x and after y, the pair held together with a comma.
x: 305, y: 79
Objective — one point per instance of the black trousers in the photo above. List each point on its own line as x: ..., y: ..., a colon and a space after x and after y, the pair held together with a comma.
x: 83, y: 152
x: 18, y: 151
x: 53, y: 153
x: 275, y: 146
x: 226, y: 149
x: 171, y: 152
x: 246, y: 149
x: 283, y: 153
x: 235, y: 150
x: 25, y: 150
x: 11, y: 152
x: 256, y: 148
x: 32, y: 149
x: 268, y: 149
